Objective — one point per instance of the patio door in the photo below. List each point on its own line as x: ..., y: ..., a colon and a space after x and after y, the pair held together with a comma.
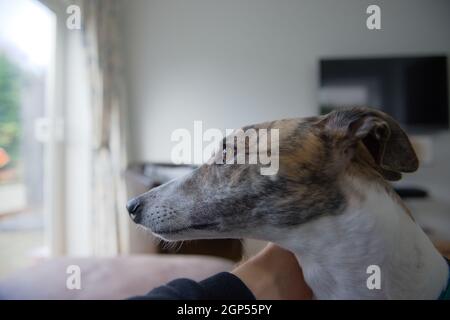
x: 30, y: 134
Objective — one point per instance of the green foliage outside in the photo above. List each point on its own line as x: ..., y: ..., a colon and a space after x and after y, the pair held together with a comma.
x: 10, y: 109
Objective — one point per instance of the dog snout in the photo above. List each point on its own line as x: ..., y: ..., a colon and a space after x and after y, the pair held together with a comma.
x: 134, y: 207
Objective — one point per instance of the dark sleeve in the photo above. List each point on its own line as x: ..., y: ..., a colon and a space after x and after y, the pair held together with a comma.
x: 222, y: 286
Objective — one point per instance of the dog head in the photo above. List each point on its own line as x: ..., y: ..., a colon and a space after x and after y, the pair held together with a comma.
x: 233, y: 200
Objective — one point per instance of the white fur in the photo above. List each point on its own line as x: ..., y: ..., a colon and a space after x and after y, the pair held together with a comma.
x: 335, y: 250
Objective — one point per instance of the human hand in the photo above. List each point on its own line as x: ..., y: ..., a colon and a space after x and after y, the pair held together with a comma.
x: 274, y: 273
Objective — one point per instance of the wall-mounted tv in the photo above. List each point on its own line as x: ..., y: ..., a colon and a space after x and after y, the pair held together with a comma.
x: 414, y: 90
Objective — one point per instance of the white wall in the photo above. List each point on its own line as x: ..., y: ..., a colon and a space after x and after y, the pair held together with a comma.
x: 236, y: 62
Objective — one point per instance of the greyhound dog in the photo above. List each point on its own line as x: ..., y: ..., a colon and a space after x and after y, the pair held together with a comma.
x: 329, y: 203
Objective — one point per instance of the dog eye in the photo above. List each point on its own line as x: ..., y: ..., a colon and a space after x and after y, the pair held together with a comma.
x: 224, y: 153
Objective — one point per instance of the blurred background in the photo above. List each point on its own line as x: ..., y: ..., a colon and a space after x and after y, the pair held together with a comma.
x: 91, y: 90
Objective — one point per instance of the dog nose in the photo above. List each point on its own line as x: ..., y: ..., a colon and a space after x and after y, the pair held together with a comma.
x: 134, y: 209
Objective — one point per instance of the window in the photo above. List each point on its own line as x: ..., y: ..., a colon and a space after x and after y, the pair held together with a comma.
x: 27, y: 45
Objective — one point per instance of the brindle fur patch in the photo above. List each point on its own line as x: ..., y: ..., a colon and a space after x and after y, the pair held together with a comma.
x: 301, y: 191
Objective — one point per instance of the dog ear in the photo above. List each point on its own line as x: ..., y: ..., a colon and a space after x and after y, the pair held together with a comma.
x: 381, y: 135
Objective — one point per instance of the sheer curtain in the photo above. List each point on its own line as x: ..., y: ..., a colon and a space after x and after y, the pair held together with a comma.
x: 101, y: 37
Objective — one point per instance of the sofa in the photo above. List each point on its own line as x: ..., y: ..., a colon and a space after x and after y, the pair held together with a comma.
x: 106, y: 278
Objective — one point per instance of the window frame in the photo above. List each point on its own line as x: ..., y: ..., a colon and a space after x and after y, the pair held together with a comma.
x: 54, y: 159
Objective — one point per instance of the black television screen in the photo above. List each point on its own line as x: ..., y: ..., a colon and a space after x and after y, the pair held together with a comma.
x: 414, y: 90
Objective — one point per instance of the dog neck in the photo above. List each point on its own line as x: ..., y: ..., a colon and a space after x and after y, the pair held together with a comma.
x: 335, y: 251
